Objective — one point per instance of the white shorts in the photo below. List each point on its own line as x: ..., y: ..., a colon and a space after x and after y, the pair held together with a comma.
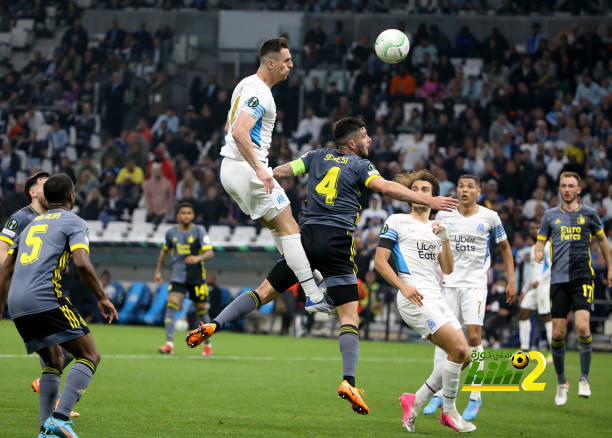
x: 240, y: 181
x: 538, y: 299
x: 426, y: 320
x: 467, y: 303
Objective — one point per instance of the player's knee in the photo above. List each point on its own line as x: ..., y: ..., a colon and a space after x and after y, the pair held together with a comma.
x: 56, y: 362
x: 474, y: 339
x: 583, y: 330
x: 558, y: 334
x: 524, y: 314
x: 459, y: 353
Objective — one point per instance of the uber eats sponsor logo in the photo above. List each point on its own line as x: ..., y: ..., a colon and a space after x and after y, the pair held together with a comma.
x: 464, y: 243
x: 504, y: 371
x: 426, y: 250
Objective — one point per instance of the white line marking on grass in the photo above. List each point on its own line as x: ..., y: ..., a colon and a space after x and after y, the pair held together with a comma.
x: 257, y: 358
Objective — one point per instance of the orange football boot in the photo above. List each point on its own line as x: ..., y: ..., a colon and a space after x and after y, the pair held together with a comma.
x: 353, y: 395
x: 199, y: 335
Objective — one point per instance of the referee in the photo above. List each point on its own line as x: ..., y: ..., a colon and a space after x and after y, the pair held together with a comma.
x: 570, y: 229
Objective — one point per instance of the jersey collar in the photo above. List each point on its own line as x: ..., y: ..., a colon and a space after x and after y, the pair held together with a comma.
x: 575, y: 211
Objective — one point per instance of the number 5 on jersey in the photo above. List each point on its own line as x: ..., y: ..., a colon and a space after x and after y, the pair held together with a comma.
x: 35, y: 242
x: 327, y: 186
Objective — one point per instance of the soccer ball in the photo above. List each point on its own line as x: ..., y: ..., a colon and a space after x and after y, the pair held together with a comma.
x: 520, y: 360
x: 181, y: 325
x: 392, y: 46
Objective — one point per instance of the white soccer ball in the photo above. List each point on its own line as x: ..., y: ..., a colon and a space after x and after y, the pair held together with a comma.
x: 392, y: 46
x: 181, y: 325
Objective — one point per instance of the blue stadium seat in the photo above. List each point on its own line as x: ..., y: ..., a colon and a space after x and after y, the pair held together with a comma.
x: 136, y: 304
x: 117, y: 294
x: 155, y: 314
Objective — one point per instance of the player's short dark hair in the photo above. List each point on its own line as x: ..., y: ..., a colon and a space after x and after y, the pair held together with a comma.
x: 408, y: 178
x: 31, y: 181
x: 568, y: 174
x: 58, y: 188
x: 274, y: 45
x: 470, y: 176
x: 184, y: 204
x: 346, y: 127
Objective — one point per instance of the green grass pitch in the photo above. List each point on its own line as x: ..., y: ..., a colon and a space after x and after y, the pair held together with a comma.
x: 268, y: 386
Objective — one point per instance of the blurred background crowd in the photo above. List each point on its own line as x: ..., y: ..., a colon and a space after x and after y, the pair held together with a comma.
x: 102, y: 110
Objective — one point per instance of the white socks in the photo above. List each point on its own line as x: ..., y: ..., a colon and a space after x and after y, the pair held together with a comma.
x: 525, y: 332
x: 277, y: 241
x: 432, y: 385
x: 450, y: 385
x: 439, y: 358
x: 475, y: 395
x: 298, y: 262
x: 549, y: 329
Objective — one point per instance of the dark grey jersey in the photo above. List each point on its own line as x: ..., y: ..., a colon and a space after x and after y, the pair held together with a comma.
x: 16, y: 224
x: 43, y: 249
x: 570, y: 234
x: 335, y: 182
x: 181, y: 244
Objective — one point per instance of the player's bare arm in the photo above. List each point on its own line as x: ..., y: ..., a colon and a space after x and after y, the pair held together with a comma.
x: 382, y: 266
x: 4, y: 247
x: 88, y: 276
x: 401, y: 193
x: 283, y: 171
x: 163, y: 255
x: 193, y: 259
x: 6, y: 274
x: 445, y: 258
x: 605, y: 251
x: 509, y: 266
x: 242, y: 137
x: 539, y: 251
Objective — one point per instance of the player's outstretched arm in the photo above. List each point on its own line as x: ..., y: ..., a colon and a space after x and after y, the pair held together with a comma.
x: 242, y: 137
x: 283, y: 171
x: 382, y: 266
x: 163, y: 255
x: 539, y: 250
x: 6, y: 274
x: 605, y: 251
x: 88, y: 276
x: 398, y: 191
x: 509, y: 266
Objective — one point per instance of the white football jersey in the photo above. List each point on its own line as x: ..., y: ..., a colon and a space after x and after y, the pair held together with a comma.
x: 416, y: 252
x: 470, y: 240
x: 534, y: 271
x: 255, y: 97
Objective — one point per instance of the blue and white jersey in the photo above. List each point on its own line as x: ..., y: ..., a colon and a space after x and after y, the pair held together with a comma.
x: 255, y: 97
x: 415, y: 250
x: 470, y: 240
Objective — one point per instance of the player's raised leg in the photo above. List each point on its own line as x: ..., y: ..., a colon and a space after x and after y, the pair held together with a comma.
x: 445, y: 376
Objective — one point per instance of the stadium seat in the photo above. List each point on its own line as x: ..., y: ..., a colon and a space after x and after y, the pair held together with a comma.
x: 140, y: 232
x: 115, y: 231
x: 22, y: 34
x: 116, y: 293
x: 5, y: 45
x: 219, y: 233
x: 95, y: 228
x: 264, y: 238
x: 139, y: 216
x: 155, y: 314
x: 243, y: 235
x: 136, y: 304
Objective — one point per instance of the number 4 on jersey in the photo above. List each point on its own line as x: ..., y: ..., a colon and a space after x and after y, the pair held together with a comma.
x: 327, y: 186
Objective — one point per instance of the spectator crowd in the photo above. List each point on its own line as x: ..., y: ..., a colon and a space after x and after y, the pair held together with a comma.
x: 103, y: 111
